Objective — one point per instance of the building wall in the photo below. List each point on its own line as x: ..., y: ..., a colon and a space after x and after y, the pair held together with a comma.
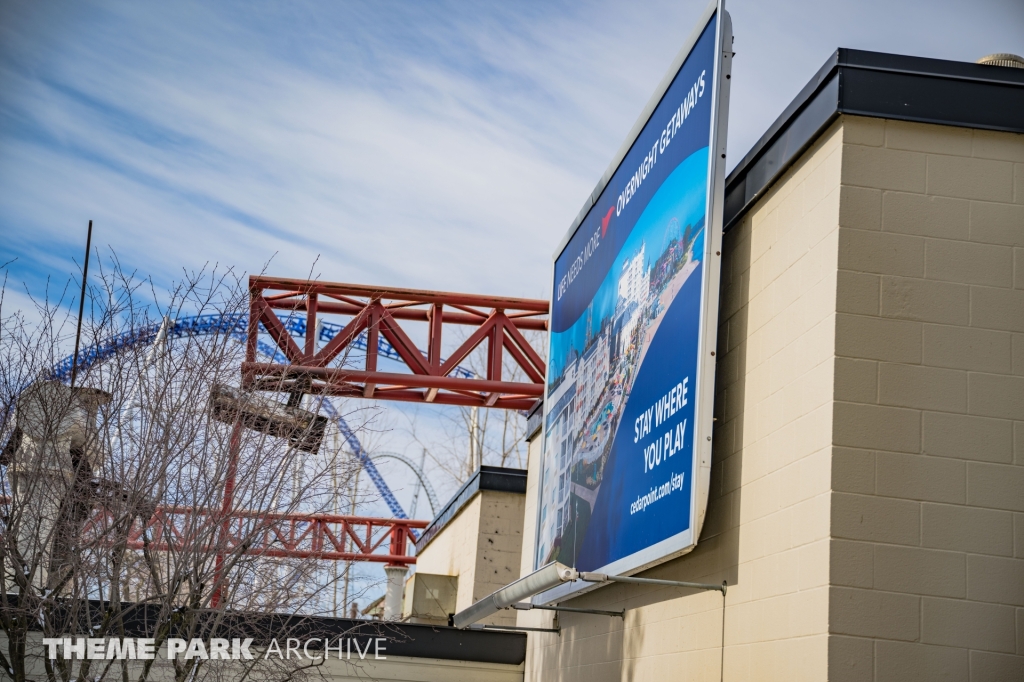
x: 927, y: 555
x: 482, y: 546
x: 867, y: 494
x: 767, y: 528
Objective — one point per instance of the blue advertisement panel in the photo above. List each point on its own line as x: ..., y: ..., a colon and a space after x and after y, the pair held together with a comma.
x: 632, y: 313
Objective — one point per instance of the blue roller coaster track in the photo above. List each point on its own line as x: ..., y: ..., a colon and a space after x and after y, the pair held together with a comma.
x: 235, y: 325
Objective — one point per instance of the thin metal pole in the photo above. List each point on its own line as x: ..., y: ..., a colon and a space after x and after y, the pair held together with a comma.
x: 81, y: 305
x: 234, y: 447
x: 527, y: 606
x: 601, y: 577
x: 352, y: 512
x: 514, y: 628
x: 336, y: 508
x: 721, y: 668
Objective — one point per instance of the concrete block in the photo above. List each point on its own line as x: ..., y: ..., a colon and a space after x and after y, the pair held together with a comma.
x: 964, y: 529
x: 990, y: 667
x: 809, y: 520
x: 981, y: 179
x: 862, y: 130
x: 857, y: 292
x: 995, y: 395
x: 915, y: 570
x: 860, y: 208
x: 926, y: 216
x: 1020, y: 632
x: 982, y: 350
x: 966, y: 437
x: 995, y: 579
x: 876, y: 519
x: 870, y: 613
x: 1018, y: 536
x: 928, y: 301
x: 856, y: 380
x: 968, y: 263
x: 887, y: 169
x: 926, y: 388
x: 911, y: 662
x: 922, y: 137
x: 1017, y: 354
x: 850, y: 659
x: 875, y: 338
x: 989, y: 144
x: 919, y: 477
x: 1018, y: 183
x: 999, y: 486
x: 853, y: 470
x: 1018, y: 443
x: 883, y: 253
x: 997, y: 223
x: 851, y: 563
x: 1018, y: 268
x: 876, y: 428
x: 959, y: 623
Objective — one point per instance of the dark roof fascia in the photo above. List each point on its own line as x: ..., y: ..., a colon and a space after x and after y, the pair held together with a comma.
x: 877, y: 85
x: 498, y: 479
x: 534, y: 419
x: 403, y: 639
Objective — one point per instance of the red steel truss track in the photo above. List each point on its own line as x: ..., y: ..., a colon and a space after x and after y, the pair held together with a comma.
x: 319, y: 536
x: 496, y: 322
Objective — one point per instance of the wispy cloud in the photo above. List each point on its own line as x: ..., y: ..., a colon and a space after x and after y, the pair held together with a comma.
x: 437, y: 145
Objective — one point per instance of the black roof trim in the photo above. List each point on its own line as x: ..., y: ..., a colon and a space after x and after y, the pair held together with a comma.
x: 534, y: 419
x: 485, y: 478
x: 878, y: 85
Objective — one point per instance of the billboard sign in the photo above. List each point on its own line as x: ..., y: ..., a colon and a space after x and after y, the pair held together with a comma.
x: 628, y: 404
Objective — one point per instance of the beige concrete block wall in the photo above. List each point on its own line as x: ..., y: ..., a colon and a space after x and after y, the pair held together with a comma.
x: 927, y: 550
x: 481, y: 546
x: 767, y: 528
x: 867, y: 496
x: 501, y: 541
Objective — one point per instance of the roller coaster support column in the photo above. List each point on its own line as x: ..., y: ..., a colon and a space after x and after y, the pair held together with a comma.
x: 396, y: 573
x: 234, y: 447
x: 393, y: 596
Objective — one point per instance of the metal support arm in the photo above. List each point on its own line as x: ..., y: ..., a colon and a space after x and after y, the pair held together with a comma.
x: 513, y: 628
x: 527, y: 606
x: 602, y: 578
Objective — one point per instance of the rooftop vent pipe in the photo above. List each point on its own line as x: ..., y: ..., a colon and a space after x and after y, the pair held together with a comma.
x: 1003, y: 59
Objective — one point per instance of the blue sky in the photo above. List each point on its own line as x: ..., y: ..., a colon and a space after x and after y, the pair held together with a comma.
x: 441, y: 145
x: 438, y: 145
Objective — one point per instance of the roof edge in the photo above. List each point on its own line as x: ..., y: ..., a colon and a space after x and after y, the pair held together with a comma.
x: 498, y: 479
x: 878, y: 85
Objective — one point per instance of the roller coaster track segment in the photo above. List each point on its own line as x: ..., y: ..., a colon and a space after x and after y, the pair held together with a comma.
x: 378, y: 312
x: 322, y: 536
x: 371, y: 469
x: 420, y: 474
x: 215, y: 324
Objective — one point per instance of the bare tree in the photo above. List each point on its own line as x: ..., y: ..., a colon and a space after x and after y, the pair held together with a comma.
x: 140, y: 499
